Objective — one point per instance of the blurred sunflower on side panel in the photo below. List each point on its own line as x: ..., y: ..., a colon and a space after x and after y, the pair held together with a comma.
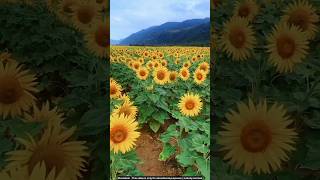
x: 238, y: 38
x: 257, y: 138
x: 304, y: 16
x: 190, y: 104
x: 98, y: 38
x: 6, y: 58
x: 247, y: 9
x: 84, y: 14
x: 142, y: 73
x: 287, y: 46
x: 51, y: 117
x: 65, y: 9
x: 160, y: 75
x: 55, y: 149
x: 16, y: 90
x: 115, y: 89
x: 184, y: 73
x: 123, y: 133
x: 39, y: 172
x: 199, y: 76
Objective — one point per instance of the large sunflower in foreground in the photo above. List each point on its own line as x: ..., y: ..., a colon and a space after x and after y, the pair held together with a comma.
x: 123, y: 133
x: 115, y: 89
x: 190, y: 104
x: 55, y: 149
x: 304, y: 16
x: 247, y: 9
x: 161, y: 75
x: 126, y: 109
x: 16, y: 88
x: 287, y: 46
x: 238, y: 38
x: 257, y: 138
x: 39, y: 172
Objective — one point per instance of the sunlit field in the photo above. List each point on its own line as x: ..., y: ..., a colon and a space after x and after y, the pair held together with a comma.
x: 160, y: 110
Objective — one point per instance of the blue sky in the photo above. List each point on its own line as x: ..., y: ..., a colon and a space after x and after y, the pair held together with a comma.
x: 130, y: 16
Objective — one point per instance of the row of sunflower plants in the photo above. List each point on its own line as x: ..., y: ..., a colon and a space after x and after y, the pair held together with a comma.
x: 266, y: 83
x: 52, y: 89
x: 168, y: 83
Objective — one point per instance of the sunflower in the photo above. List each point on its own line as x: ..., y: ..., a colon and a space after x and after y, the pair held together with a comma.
x: 161, y: 75
x: 126, y: 109
x: 136, y: 65
x: 16, y: 88
x: 287, y: 46
x: 204, y: 67
x: 54, y: 149
x: 184, y: 73
x: 173, y: 76
x: 125, y: 98
x: 51, y: 116
x: 115, y: 89
x: 238, y: 38
x: 65, y: 9
x: 199, y: 76
x: 149, y: 65
x: 5, y: 58
x: 142, y: 73
x: 257, y: 138
x: 98, y: 39
x: 84, y: 14
x: 187, y: 64
x: 190, y: 104
x: 303, y: 15
x: 177, y: 61
x: 123, y: 133
x: 39, y: 172
x: 247, y: 9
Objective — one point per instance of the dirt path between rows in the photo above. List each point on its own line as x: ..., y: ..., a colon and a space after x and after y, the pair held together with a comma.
x: 148, y: 150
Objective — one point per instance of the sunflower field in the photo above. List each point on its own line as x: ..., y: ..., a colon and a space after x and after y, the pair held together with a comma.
x: 266, y: 87
x: 162, y: 93
x: 53, y: 95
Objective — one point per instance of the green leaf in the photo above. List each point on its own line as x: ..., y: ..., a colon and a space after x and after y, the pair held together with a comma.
x: 154, y: 125
x: 170, y: 133
x: 312, y: 159
x: 160, y: 116
x: 154, y: 98
x: 190, y: 172
x: 204, y: 167
x: 167, y: 151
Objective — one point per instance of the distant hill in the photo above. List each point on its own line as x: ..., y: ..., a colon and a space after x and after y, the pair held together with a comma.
x: 189, y: 32
x: 114, y: 42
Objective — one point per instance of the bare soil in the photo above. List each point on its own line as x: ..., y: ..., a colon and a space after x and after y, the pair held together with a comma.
x: 148, y: 149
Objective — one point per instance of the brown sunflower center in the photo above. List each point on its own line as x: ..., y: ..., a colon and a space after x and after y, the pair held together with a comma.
x: 10, y: 90
x: 102, y: 36
x: 244, y: 11
x: 52, y: 154
x: 125, y: 110
x: 256, y: 136
x: 85, y: 14
x: 118, y: 134
x: 113, y: 90
x: 286, y: 47
x: 142, y: 73
x: 160, y: 75
x: 199, y: 76
x: 299, y: 18
x: 67, y: 7
x: 186, y: 65
x: 237, y: 38
x: 136, y: 66
x: 190, y: 104
x: 172, y: 77
x: 184, y: 73
x: 203, y: 67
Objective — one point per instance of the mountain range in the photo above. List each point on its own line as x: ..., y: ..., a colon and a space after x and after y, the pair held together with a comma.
x: 189, y: 32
